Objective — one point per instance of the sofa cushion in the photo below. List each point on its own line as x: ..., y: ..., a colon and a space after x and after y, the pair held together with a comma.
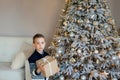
x: 6, y: 73
x: 27, y: 49
x: 25, y: 52
x: 19, y: 61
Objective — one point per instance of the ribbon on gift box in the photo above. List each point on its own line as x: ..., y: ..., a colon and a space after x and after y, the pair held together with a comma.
x: 45, y: 60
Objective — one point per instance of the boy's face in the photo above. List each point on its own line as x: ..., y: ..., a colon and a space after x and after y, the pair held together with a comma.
x: 39, y: 44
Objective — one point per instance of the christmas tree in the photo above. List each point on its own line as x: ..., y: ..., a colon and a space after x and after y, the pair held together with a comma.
x: 86, y: 43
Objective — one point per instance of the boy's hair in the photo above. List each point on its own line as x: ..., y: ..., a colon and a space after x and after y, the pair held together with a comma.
x: 38, y: 36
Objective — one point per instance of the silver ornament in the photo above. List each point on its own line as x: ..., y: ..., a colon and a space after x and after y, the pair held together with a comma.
x: 114, y: 79
x: 105, y: 25
x: 95, y: 23
x: 56, y: 55
x: 78, y: 51
x: 80, y: 8
x: 93, y: 16
x: 58, y: 40
x: 114, y: 57
x: 87, y: 20
x: 117, y: 62
x: 96, y: 51
x: 65, y: 23
x: 97, y: 61
x: 72, y: 60
x: 61, y: 77
x: 72, y: 34
x: 63, y: 10
x: 84, y: 39
x: 60, y: 50
x: 74, y: 44
x: 83, y: 77
x: 80, y: 21
x: 72, y: 49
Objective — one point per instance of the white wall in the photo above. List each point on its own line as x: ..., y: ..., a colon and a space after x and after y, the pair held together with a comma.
x: 115, y: 9
x: 27, y: 17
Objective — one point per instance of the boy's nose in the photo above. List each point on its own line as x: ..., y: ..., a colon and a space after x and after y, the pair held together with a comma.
x: 40, y: 45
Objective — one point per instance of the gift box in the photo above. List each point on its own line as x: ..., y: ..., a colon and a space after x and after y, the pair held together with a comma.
x: 50, y: 66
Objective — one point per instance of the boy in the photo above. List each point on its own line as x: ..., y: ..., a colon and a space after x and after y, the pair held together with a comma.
x: 39, y: 45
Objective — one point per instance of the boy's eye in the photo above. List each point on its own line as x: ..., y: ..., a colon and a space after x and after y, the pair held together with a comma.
x: 38, y: 43
x: 42, y: 42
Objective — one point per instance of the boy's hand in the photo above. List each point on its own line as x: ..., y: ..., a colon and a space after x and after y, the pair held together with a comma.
x: 40, y: 68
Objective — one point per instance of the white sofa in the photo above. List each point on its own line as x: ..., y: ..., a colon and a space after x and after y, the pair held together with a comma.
x: 9, y: 46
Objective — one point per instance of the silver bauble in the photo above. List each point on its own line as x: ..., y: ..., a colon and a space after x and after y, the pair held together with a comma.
x: 117, y: 62
x: 95, y: 23
x: 114, y: 79
x: 78, y: 51
x: 56, y: 55
x: 114, y: 57
x: 108, y: 29
x: 84, y: 39
x: 65, y: 23
x: 72, y: 49
x: 60, y: 50
x: 80, y: 8
x: 63, y: 10
x: 83, y: 77
x: 72, y: 60
x: 93, y: 16
x: 87, y: 20
x: 97, y: 61
x: 72, y: 34
x: 96, y: 51
x: 106, y: 25
x: 61, y: 77
x: 78, y: 21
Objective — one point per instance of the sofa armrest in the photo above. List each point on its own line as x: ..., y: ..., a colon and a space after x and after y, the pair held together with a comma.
x: 27, y: 71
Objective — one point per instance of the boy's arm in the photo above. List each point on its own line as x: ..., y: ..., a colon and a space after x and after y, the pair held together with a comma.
x: 35, y: 73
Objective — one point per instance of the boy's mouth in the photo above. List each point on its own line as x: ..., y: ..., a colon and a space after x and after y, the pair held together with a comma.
x: 40, y: 49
